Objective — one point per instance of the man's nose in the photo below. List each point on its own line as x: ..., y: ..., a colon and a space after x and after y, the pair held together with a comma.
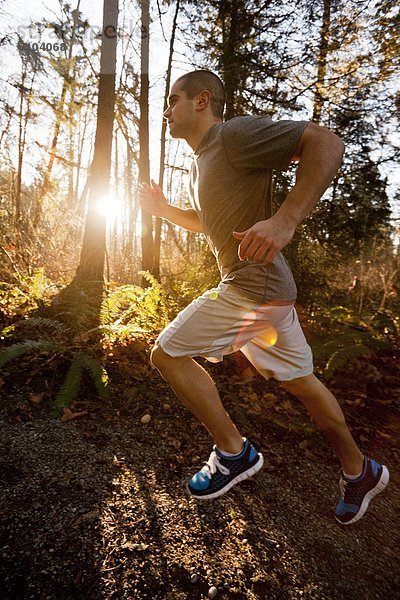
x: 166, y: 113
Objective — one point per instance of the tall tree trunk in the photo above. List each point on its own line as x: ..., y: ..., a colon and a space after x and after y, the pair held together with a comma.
x: 23, y: 119
x: 319, y: 98
x: 129, y: 205
x: 144, y: 161
x: 81, y: 142
x: 229, y: 15
x: 114, y: 223
x: 17, y: 214
x: 92, y: 258
x: 157, y: 238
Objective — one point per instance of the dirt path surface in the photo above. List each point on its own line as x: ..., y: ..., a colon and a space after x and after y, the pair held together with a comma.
x: 96, y: 507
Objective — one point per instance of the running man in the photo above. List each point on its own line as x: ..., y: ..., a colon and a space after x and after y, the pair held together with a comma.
x: 252, y: 309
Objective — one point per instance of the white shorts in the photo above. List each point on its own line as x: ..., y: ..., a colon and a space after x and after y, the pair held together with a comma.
x: 222, y: 321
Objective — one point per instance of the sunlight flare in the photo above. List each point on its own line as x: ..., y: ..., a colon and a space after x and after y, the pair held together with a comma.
x: 109, y: 206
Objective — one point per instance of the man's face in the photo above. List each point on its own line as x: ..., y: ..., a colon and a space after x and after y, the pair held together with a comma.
x: 180, y: 113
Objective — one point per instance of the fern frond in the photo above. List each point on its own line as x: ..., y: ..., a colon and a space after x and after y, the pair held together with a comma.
x: 45, y: 323
x: 384, y: 323
x: 122, y: 299
x: 151, y: 279
x: 377, y: 345
x: 26, y: 347
x: 324, y: 349
x: 97, y: 373
x: 344, y: 356
x: 70, y: 388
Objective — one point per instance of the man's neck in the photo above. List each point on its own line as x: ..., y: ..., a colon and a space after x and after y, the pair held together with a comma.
x: 195, y: 138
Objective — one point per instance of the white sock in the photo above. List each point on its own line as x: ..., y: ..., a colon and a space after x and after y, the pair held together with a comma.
x: 351, y: 477
x: 228, y: 454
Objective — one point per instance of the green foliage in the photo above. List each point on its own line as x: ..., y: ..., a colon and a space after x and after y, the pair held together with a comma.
x: 70, y: 388
x: 197, y: 278
x: 30, y: 292
x: 344, y: 356
x: 40, y: 323
x: 384, y: 323
x: 121, y: 316
x: 131, y: 312
x: 346, y: 338
x: 26, y: 347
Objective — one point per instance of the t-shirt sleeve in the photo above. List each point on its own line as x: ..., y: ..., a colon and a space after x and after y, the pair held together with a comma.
x: 260, y: 143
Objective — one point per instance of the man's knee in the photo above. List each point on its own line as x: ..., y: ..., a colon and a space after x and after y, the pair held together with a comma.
x: 163, y: 361
x: 298, y: 386
x: 157, y: 356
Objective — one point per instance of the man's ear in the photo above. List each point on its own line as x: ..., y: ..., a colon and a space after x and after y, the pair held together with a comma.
x: 203, y: 100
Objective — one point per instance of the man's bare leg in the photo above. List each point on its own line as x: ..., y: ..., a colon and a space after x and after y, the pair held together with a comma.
x: 328, y: 416
x: 195, y: 388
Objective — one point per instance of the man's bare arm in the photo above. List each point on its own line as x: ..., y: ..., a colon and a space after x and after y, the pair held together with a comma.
x: 184, y: 217
x: 153, y: 201
x: 320, y: 153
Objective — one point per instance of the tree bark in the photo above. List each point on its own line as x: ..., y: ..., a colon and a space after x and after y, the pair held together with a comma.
x: 157, y: 238
x: 229, y: 15
x: 92, y: 258
x: 319, y: 98
x: 144, y: 161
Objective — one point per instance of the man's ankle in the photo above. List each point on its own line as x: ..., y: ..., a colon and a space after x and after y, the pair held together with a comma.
x: 231, y: 448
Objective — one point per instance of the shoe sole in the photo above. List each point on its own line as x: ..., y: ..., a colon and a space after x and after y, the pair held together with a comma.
x: 245, y: 475
x: 380, y: 486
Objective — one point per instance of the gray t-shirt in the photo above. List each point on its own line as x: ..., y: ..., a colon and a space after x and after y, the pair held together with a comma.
x: 231, y: 189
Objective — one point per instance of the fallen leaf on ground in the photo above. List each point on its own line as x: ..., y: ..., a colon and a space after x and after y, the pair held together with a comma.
x: 36, y: 398
x: 68, y: 414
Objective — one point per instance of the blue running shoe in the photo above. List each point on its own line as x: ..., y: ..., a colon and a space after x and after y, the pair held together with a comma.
x: 221, y: 473
x: 357, y: 493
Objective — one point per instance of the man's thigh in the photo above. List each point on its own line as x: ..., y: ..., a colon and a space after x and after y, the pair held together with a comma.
x: 220, y: 322
x: 284, y: 353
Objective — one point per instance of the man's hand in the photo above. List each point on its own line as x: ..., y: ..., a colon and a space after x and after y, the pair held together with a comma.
x: 152, y: 199
x: 264, y: 240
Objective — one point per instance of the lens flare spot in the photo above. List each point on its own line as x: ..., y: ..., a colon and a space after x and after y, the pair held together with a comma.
x: 214, y: 295
x: 270, y: 337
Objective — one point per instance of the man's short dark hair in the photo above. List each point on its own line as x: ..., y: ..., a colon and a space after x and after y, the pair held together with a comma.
x: 197, y: 81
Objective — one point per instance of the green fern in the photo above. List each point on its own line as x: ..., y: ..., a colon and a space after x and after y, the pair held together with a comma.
x: 383, y: 323
x: 154, y: 303
x: 120, y: 300
x: 70, y: 387
x: 39, y: 323
x: 69, y: 390
x: 344, y: 356
x: 97, y: 373
x: 26, y: 347
x: 348, y: 340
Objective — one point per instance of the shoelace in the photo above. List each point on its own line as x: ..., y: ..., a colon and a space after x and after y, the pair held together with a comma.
x: 342, y: 485
x: 212, y: 465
